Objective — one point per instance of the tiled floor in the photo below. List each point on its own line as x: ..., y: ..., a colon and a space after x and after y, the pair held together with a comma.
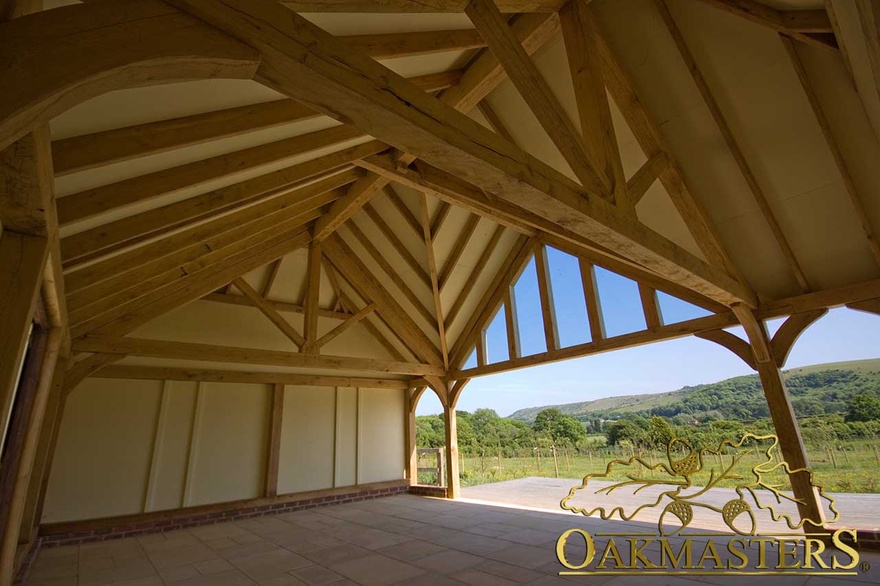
x: 396, y: 540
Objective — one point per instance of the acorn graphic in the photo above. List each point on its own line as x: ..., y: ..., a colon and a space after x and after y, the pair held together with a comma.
x: 734, y: 509
x: 689, y: 464
x: 681, y: 510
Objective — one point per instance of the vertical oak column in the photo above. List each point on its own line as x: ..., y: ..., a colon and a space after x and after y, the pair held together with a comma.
x: 453, y: 482
x: 411, y: 457
x: 784, y: 420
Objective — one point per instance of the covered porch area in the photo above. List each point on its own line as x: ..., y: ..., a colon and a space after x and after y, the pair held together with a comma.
x: 403, y: 539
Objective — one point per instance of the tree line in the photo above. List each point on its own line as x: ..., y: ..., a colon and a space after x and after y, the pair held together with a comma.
x: 485, y: 432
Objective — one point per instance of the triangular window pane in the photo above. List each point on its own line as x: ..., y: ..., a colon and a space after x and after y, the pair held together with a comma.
x: 572, y: 322
x: 676, y: 310
x: 496, y: 339
x: 621, y: 303
x: 528, y: 312
x: 471, y: 362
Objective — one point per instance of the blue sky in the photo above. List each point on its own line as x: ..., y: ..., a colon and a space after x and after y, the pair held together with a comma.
x: 840, y: 335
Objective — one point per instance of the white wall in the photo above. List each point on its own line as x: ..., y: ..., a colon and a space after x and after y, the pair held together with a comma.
x: 130, y: 446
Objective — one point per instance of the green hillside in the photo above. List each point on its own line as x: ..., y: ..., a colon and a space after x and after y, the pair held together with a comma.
x: 817, y: 389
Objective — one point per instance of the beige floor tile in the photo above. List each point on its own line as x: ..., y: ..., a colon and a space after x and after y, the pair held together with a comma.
x: 478, y: 578
x: 317, y: 575
x: 126, y: 571
x: 448, y: 562
x: 331, y: 555
x: 178, y: 556
x: 516, y: 574
x: 227, y: 578
x: 271, y: 564
x: 376, y: 570
x: 411, y: 550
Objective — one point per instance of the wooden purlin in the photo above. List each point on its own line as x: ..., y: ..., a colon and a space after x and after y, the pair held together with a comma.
x: 236, y: 355
x: 107, y: 198
x: 132, y: 268
x: 216, y: 375
x: 161, y: 221
x: 408, y: 6
x: 168, y: 273
x: 196, y: 285
x: 84, y: 152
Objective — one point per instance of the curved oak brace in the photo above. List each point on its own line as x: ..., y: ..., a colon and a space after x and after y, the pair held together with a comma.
x: 733, y: 343
x: 790, y: 331
x: 413, y: 396
x: 85, y: 368
x: 82, y: 51
x: 437, y: 385
x: 456, y: 389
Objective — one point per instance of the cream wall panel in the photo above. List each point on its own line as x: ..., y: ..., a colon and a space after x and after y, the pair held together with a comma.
x: 346, y: 436
x: 228, y: 460
x: 102, y: 461
x: 381, y: 435
x: 172, y: 447
x: 307, y: 435
x: 207, y: 322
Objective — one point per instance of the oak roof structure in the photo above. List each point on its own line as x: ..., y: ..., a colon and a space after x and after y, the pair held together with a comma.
x: 348, y: 190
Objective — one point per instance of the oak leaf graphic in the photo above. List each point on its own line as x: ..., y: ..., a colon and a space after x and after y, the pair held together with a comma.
x: 752, y: 466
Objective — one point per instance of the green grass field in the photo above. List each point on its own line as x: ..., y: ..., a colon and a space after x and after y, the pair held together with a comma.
x: 850, y: 468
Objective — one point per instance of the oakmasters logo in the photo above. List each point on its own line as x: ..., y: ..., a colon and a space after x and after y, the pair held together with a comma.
x: 724, y: 510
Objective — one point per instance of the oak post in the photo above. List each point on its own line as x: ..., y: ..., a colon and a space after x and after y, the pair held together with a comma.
x: 411, y: 455
x: 784, y: 422
x: 453, y: 482
x: 273, y: 454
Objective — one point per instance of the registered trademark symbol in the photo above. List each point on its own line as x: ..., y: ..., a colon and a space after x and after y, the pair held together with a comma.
x: 864, y: 566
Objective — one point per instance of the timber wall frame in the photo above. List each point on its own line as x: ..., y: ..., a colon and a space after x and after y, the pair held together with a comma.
x: 422, y: 141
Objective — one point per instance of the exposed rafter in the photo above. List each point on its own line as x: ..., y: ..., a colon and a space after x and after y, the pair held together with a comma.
x: 388, y: 268
x: 482, y: 76
x: 100, y: 36
x: 113, y: 236
x: 98, y: 200
x: 733, y: 145
x: 352, y: 270
x: 88, y: 151
x: 475, y: 273
x: 858, y: 205
x: 812, y: 27
x: 538, y: 95
x: 597, y: 129
x: 652, y: 142
x: 435, y: 283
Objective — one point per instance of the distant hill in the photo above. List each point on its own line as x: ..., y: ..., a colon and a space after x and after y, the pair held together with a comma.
x: 822, y: 388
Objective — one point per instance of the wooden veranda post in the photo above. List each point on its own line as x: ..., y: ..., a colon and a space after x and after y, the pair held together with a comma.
x: 784, y: 421
x: 411, y: 456
x: 453, y: 482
